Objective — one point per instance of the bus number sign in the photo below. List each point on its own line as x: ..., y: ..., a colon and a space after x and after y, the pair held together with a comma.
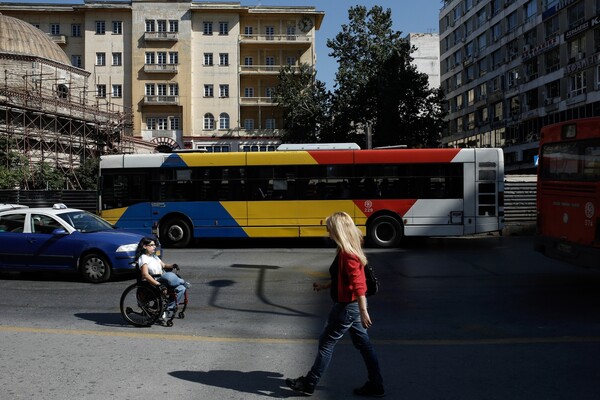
x: 368, y: 206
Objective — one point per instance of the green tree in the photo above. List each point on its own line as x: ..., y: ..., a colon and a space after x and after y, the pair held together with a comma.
x: 87, y: 173
x: 304, y: 102
x: 377, y: 86
x: 47, y: 177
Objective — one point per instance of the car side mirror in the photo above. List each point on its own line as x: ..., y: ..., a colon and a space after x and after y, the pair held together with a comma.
x: 60, y: 231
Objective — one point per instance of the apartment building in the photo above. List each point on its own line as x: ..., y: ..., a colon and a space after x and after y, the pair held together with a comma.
x: 426, y: 56
x: 509, y: 67
x: 196, y: 75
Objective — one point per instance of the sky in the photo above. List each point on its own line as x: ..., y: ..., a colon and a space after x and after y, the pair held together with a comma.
x: 407, y: 17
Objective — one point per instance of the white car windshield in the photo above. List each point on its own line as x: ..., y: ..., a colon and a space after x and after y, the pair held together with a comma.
x: 84, y: 221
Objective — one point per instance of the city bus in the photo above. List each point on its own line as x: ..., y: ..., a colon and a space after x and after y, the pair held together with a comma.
x: 568, y: 191
x: 390, y: 193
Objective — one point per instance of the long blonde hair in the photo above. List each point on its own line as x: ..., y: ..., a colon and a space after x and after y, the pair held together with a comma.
x: 346, y: 235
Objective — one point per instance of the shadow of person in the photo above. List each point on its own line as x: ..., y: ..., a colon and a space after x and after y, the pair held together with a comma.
x: 269, y: 384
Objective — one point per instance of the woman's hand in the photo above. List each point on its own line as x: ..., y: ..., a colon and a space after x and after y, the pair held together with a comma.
x: 365, y: 319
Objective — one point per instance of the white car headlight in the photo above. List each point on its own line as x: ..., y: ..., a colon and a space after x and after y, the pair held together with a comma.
x: 127, y: 248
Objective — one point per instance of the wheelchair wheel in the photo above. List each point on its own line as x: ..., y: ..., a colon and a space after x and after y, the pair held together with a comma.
x: 141, y: 305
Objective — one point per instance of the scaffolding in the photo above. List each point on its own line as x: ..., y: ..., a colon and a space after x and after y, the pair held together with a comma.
x: 46, y: 123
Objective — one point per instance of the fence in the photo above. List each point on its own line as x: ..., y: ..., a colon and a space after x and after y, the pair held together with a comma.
x: 82, y: 199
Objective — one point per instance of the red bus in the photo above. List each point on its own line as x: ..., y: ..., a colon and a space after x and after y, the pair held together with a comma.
x: 568, y: 191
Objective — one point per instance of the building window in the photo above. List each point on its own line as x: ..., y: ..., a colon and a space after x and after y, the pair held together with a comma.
x: 224, y: 121
x: 161, y: 25
x: 175, y: 123
x: 223, y: 59
x: 162, y: 124
x: 553, y: 90
x: 117, y: 27
x: 76, y: 30
x: 208, y: 91
x: 223, y: 90
x: 577, y: 84
x: 209, y: 121
x: 100, y: 90
x: 291, y: 32
x: 117, y: 90
x: 174, y: 89
x: 55, y: 29
x: 100, y: 27
x: 498, y: 111
x: 270, y: 32
x: 76, y: 60
x: 173, y: 25
x: 459, y: 102
x: 270, y: 62
x: 223, y: 28
x: 174, y: 57
x: 530, y: 10
x: 150, y: 25
x: 248, y: 31
x: 150, y: 90
x: 161, y: 57
x: 511, y: 22
x: 208, y: 28
x: 249, y: 92
x: 270, y: 123
x: 290, y: 60
x: 576, y: 49
x: 151, y: 124
x: 100, y: 59
x: 269, y: 92
x: 248, y: 61
x: 149, y: 58
x: 552, y: 59
x: 161, y: 89
x: 248, y: 124
x: 117, y: 59
x: 551, y: 26
x: 576, y: 14
x: 208, y: 59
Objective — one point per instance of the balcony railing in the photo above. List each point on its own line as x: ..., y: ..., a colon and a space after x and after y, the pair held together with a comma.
x: 264, y: 69
x: 255, y: 101
x: 161, y: 68
x: 281, y: 38
x: 167, y: 100
x: 59, y: 39
x: 161, y: 36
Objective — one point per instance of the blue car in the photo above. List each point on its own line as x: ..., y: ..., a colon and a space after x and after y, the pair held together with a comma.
x: 65, y: 239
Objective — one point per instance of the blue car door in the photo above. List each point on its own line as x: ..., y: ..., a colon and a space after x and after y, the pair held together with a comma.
x: 49, y: 249
x: 14, y: 248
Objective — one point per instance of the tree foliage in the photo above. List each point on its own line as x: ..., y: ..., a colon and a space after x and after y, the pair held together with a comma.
x: 376, y: 87
x: 304, y: 102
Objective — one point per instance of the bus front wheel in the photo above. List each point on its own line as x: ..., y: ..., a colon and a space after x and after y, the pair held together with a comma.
x: 385, y: 231
x: 175, y: 233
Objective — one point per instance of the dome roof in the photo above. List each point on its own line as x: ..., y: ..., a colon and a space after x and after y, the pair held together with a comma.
x: 20, y: 37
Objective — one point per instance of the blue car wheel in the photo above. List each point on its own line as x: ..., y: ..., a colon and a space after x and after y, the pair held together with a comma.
x: 94, y: 268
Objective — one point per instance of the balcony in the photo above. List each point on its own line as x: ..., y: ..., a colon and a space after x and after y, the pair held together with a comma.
x: 161, y: 68
x: 161, y: 36
x: 58, y: 39
x: 284, y: 38
x: 162, y: 100
x: 264, y: 69
x: 256, y: 101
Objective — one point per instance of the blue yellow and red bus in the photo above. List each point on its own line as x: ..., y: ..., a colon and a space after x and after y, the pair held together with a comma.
x: 568, y: 191
x: 390, y: 193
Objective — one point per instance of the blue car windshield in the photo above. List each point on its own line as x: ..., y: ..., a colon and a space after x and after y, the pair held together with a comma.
x: 84, y: 221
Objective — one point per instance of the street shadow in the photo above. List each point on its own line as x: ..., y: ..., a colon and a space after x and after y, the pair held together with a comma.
x: 265, y: 383
x: 104, y: 319
x: 279, y: 309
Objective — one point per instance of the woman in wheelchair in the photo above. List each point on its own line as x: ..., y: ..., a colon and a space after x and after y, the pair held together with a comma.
x: 154, y: 271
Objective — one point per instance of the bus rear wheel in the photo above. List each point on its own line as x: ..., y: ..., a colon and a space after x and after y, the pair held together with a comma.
x: 385, y: 231
x: 175, y: 233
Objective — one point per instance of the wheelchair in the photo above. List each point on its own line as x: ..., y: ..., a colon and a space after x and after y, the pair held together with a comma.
x: 142, y: 304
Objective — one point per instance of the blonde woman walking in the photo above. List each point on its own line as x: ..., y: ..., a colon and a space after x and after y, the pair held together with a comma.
x: 349, y: 312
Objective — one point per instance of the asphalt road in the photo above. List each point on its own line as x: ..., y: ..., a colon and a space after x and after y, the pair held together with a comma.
x: 464, y: 318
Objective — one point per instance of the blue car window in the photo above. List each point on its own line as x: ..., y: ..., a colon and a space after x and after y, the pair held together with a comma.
x: 84, y: 221
x: 43, y: 224
x: 13, y: 223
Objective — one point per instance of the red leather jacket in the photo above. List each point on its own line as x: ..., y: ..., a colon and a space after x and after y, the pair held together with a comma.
x: 351, y: 278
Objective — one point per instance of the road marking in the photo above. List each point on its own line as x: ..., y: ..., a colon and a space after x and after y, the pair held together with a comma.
x: 392, y: 342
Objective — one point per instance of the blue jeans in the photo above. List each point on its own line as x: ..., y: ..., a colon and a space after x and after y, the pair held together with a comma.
x: 175, y: 283
x: 344, y: 317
